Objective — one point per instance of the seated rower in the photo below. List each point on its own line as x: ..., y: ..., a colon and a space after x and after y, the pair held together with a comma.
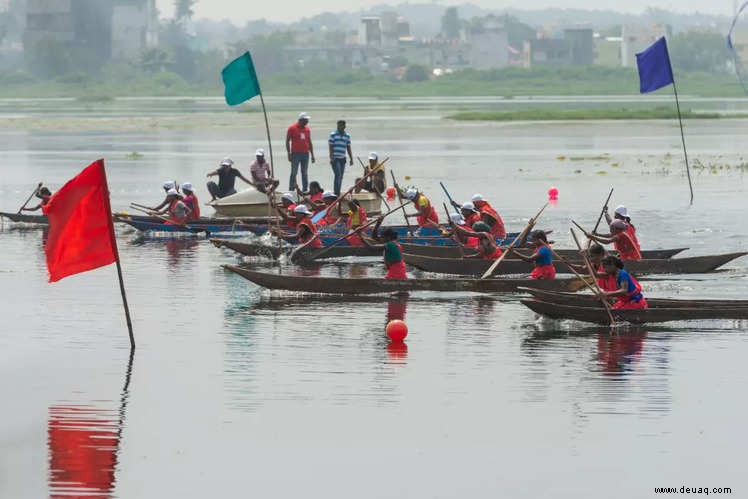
x: 377, y: 181
x: 493, y: 220
x: 226, y: 179
x: 260, y: 171
x: 176, y: 209
x: 481, y: 204
x: 595, y: 254
x: 469, y: 213
x: 621, y: 213
x: 314, y: 196
x: 355, y: 218
x: 621, y: 239
x: 456, y: 220
x: 629, y: 291
x: 426, y: 215
x: 306, y: 232
x: 332, y: 216
x: 190, y: 201
x: 487, y: 247
x: 44, y: 194
x: 393, y: 253
x: 542, y: 257
x: 167, y: 186
x: 286, y: 210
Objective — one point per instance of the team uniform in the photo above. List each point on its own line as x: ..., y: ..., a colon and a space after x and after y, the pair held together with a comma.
x: 634, y: 298
x: 393, y: 261
x: 544, y: 268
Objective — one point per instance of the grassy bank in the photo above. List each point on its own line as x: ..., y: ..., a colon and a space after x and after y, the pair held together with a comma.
x: 584, y: 114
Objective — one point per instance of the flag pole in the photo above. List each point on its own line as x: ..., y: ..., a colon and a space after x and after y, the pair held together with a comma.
x: 270, y: 142
x: 683, y: 139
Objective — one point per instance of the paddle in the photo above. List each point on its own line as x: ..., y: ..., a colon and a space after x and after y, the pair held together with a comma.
x: 595, y: 289
x: 522, y: 235
x: 194, y: 230
x: 451, y: 201
x: 459, y: 244
x: 379, y: 194
x: 29, y: 199
x: 587, y: 263
x: 599, y: 219
x: 319, y: 216
x: 400, y: 198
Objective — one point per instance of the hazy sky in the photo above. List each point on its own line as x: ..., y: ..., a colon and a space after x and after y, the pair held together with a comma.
x: 240, y: 11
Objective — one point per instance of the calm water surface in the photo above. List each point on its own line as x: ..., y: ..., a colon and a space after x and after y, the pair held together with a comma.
x: 237, y: 391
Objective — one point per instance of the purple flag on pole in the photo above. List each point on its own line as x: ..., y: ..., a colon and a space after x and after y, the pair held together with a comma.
x: 655, y: 70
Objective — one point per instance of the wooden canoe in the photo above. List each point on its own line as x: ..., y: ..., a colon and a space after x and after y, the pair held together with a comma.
x: 26, y: 219
x: 335, y: 285
x: 590, y: 300
x: 248, y: 249
x: 202, y: 225
x: 598, y: 315
x: 255, y: 249
x: 477, y: 266
x: 453, y: 251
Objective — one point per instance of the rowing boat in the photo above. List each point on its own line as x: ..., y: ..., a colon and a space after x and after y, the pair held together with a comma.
x: 599, y: 315
x: 248, y: 249
x: 453, y: 251
x: 477, y: 266
x: 26, y: 219
x: 254, y: 249
x: 202, y: 225
x: 590, y: 300
x: 337, y: 285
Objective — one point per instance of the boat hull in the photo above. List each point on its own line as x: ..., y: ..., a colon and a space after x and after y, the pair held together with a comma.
x: 201, y: 226
x: 27, y: 219
x: 252, y: 203
x: 453, y: 251
x: 590, y: 300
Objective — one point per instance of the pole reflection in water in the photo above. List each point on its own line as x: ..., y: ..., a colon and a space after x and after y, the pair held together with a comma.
x: 397, y: 351
x: 83, y: 443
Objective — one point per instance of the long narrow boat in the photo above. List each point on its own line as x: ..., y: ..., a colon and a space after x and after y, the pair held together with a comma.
x: 203, y: 225
x: 598, y: 315
x: 248, y: 249
x: 453, y: 251
x: 336, y: 285
x: 590, y: 300
x: 477, y: 266
x: 26, y: 219
x: 254, y: 249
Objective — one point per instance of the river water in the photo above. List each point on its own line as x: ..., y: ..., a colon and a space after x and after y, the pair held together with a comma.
x: 237, y: 391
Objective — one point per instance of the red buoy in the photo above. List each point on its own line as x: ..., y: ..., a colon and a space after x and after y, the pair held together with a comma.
x: 396, y: 330
x: 390, y: 193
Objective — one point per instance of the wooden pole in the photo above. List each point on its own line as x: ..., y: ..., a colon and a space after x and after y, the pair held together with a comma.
x: 400, y: 198
x: 683, y: 139
x: 29, y: 199
x: 599, y: 219
x: 379, y: 194
x: 522, y: 235
x: 591, y: 271
x: 270, y: 142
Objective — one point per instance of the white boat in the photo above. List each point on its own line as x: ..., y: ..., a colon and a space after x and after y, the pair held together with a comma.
x: 253, y: 203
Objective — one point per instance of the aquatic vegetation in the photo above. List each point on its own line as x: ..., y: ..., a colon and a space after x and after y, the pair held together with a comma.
x: 133, y: 155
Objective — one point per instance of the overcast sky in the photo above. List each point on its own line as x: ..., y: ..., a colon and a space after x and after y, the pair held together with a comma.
x: 240, y: 11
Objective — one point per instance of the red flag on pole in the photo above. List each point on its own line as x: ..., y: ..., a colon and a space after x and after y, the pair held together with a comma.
x: 81, y: 230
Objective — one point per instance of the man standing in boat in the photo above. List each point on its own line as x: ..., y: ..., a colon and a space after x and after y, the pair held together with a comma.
x: 226, y: 179
x: 339, y: 144
x: 261, y: 173
x: 299, y: 148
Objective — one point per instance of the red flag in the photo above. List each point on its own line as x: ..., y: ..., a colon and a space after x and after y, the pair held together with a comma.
x: 81, y: 230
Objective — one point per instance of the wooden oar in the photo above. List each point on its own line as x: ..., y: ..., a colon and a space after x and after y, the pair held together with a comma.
x: 379, y: 194
x: 599, y: 219
x: 451, y: 201
x: 594, y: 287
x: 598, y: 292
x: 319, y: 216
x: 522, y: 235
x: 29, y: 199
x: 454, y: 236
x: 400, y: 198
x: 194, y: 230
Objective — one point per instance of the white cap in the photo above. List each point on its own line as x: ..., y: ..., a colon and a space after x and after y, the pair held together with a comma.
x: 287, y: 196
x: 227, y: 161
x: 169, y: 184
x: 329, y: 194
x: 477, y: 197
x: 187, y: 186
x: 621, y: 210
x: 260, y: 152
x: 411, y: 194
x: 468, y: 206
x: 457, y: 218
x: 302, y: 209
x: 373, y: 155
x: 172, y: 192
x: 304, y: 116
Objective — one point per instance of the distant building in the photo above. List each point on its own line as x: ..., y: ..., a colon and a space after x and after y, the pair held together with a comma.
x: 370, y: 32
x: 608, y: 51
x: 635, y: 39
x: 489, y: 45
x: 581, y: 47
x: 575, y: 48
x: 134, y: 27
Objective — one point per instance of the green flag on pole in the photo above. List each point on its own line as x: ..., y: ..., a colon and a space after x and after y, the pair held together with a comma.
x: 240, y: 80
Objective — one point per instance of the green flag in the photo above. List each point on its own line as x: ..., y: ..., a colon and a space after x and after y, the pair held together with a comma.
x: 240, y: 80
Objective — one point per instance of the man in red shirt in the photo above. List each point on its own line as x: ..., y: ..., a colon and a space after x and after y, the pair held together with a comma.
x: 299, y: 148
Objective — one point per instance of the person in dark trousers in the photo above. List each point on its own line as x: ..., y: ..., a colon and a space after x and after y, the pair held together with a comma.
x: 339, y: 144
x: 299, y: 148
x: 226, y: 179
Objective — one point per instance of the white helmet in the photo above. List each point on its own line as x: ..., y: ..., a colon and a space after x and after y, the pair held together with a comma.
x: 457, y: 218
x: 622, y: 211
x: 411, y: 194
x: 477, y: 197
x: 469, y: 206
x: 302, y: 209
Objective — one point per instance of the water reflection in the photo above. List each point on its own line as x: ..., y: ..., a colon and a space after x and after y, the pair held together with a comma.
x: 397, y: 307
x: 177, y: 249
x: 83, y: 442
x: 619, y: 353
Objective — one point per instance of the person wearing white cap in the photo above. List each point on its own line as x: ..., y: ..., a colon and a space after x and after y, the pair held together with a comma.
x: 176, y: 209
x: 262, y: 174
x: 190, y: 201
x: 226, y: 179
x: 332, y: 216
x: 469, y: 213
x: 621, y: 214
x: 286, y: 208
x: 339, y: 143
x: 377, y: 181
x: 620, y: 235
x: 299, y: 148
x: 167, y: 185
x: 426, y: 215
x: 306, y: 232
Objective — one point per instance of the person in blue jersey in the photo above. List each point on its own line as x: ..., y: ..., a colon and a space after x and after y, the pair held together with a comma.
x: 339, y: 143
x: 629, y: 292
x: 542, y: 257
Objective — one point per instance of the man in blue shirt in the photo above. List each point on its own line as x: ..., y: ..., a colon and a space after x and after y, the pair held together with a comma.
x: 340, y: 144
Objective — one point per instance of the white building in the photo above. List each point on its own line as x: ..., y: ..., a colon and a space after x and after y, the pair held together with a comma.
x: 134, y: 27
x: 635, y: 39
x: 489, y: 45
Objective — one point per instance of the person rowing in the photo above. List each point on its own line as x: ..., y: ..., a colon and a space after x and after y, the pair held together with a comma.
x: 314, y: 196
x: 377, y: 180
x: 426, y: 215
x: 621, y: 213
x: 621, y: 239
x: 45, y: 195
x: 355, y: 218
x: 629, y: 291
x: 286, y: 210
x: 542, y: 257
x: 191, y: 202
x: 393, y: 252
x: 459, y: 237
x: 595, y: 255
x: 332, y: 216
x: 493, y: 220
x: 469, y: 213
x: 167, y: 186
x: 487, y: 247
x: 176, y: 209
x: 306, y: 232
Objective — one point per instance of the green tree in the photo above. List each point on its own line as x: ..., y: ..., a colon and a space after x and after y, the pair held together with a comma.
x: 698, y: 50
x: 48, y: 58
x: 451, y: 23
x: 155, y: 60
x: 183, y: 9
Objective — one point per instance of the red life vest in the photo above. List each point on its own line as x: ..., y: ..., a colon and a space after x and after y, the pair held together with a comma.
x: 310, y: 232
x: 192, y: 203
x: 607, y: 283
x: 431, y: 216
x: 626, y: 247
x: 396, y: 270
x: 471, y: 219
x: 173, y: 218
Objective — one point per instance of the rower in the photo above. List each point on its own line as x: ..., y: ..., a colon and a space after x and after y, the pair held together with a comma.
x: 355, y: 218
x: 167, y: 186
x: 190, y: 201
x: 493, y: 220
x: 426, y: 215
x: 314, y: 196
x: 333, y: 215
x: 487, y: 247
x: 393, y: 253
x: 377, y: 181
x: 45, y: 195
x: 480, y: 203
x: 629, y: 292
x: 469, y: 213
x: 456, y: 220
x: 226, y: 178
x: 595, y: 255
x: 621, y: 239
x: 306, y: 232
x: 621, y: 213
x: 286, y: 210
x: 542, y: 257
x: 176, y: 209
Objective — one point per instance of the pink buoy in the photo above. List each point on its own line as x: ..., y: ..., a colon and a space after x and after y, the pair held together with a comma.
x: 553, y: 194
